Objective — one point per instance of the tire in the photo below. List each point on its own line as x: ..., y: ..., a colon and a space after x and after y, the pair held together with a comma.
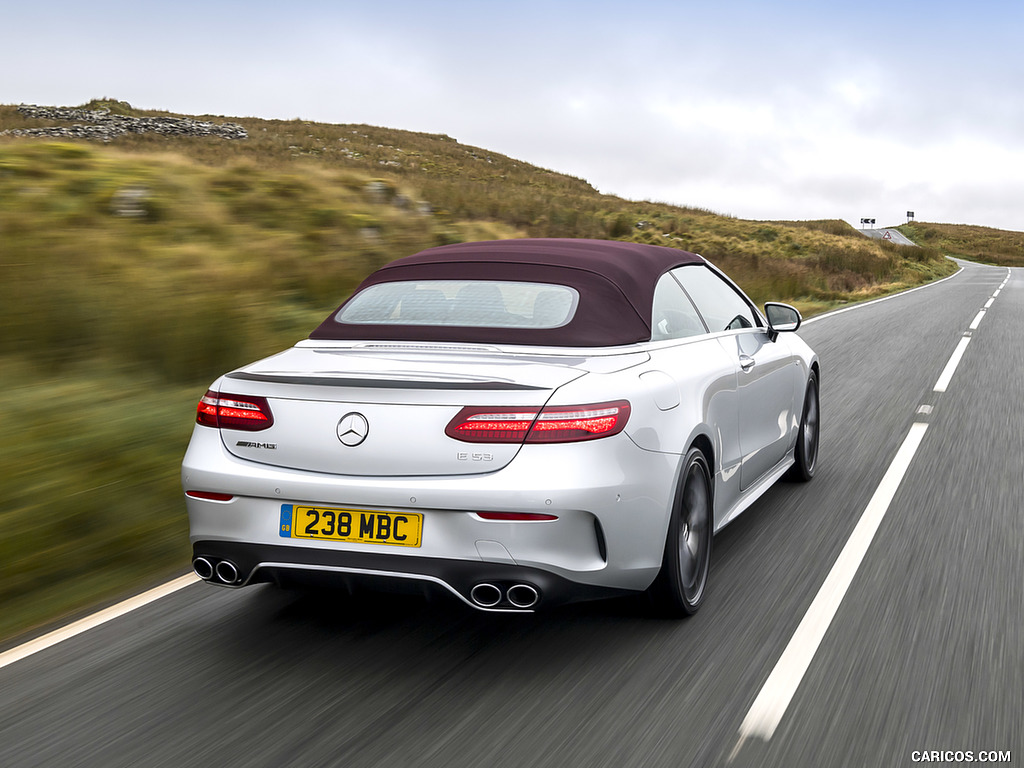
x: 806, y: 452
x: 682, y: 582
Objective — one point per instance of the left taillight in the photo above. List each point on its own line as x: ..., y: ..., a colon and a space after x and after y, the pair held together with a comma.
x: 227, y: 411
x: 209, y: 495
x: 553, y: 424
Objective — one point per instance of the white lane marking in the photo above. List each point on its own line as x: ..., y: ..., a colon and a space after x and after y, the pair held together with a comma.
x: 998, y: 291
x: 771, y: 703
x: 977, y: 320
x: 95, y: 620
x: 954, y: 360
x: 775, y: 695
x: 990, y: 302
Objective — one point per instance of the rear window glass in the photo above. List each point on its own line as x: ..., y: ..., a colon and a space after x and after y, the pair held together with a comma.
x: 464, y: 303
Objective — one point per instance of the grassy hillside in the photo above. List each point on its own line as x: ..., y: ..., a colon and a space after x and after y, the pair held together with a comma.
x: 989, y: 246
x: 133, y: 272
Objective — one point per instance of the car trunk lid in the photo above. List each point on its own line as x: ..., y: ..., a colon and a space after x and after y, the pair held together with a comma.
x: 383, y: 412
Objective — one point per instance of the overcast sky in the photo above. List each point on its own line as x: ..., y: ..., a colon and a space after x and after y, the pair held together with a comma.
x: 788, y: 109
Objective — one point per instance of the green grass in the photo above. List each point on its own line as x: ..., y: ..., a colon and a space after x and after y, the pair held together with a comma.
x: 89, y: 468
x: 983, y: 244
x: 134, y: 273
x: 181, y: 268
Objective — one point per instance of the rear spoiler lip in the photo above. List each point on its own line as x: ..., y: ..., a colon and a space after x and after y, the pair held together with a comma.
x: 379, y: 382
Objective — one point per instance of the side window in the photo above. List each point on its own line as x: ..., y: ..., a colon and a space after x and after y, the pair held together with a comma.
x: 722, y: 308
x: 673, y: 315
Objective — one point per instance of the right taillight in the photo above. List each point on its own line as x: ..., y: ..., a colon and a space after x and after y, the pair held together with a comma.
x: 517, y: 517
x: 226, y: 411
x: 553, y: 424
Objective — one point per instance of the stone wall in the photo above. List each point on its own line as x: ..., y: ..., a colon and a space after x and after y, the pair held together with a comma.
x: 100, y: 124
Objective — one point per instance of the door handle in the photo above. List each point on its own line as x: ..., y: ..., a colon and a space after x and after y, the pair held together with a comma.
x: 746, y: 363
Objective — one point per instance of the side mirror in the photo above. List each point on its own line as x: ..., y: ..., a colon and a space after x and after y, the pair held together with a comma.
x: 782, y: 318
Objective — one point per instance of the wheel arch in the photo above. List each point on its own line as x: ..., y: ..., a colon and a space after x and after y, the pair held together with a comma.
x: 704, y: 444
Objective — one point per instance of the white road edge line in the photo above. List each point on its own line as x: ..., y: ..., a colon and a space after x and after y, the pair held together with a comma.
x: 954, y: 360
x: 90, y: 622
x: 840, y: 311
x: 771, y: 703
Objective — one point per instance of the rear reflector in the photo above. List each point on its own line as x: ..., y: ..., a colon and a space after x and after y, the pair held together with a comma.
x: 209, y: 496
x: 516, y: 516
x: 225, y: 411
x: 554, y: 424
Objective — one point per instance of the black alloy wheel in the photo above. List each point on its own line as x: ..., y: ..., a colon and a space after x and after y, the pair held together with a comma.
x: 680, y: 587
x: 806, y: 452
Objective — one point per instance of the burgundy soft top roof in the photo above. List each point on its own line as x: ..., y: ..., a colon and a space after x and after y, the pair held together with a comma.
x: 615, y: 281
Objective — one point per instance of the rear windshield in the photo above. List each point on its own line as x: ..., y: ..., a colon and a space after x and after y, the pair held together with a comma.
x: 464, y: 303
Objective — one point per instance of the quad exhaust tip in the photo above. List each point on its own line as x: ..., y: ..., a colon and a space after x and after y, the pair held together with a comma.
x: 487, y: 595
x: 227, y: 572
x: 222, y: 572
x: 203, y: 568
x: 522, y: 596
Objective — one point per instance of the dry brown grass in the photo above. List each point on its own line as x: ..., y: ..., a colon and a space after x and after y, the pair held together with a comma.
x: 990, y: 246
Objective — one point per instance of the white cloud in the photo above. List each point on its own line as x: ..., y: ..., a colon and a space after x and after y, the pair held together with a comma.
x: 780, y: 110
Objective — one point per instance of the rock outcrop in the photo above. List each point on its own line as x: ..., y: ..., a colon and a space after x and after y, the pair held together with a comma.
x: 102, y: 125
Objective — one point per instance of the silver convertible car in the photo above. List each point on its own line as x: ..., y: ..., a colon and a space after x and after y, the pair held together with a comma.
x: 518, y: 423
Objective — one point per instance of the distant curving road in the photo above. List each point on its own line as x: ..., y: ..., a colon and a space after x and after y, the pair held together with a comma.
x: 924, y: 651
x: 887, y: 233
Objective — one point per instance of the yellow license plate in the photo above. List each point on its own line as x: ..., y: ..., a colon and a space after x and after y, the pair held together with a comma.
x: 357, y: 526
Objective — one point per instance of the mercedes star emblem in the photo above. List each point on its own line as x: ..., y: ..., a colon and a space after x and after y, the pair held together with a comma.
x: 353, y: 429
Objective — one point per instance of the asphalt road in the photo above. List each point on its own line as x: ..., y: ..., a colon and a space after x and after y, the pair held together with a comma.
x: 892, y: 235
x: 925, y: 652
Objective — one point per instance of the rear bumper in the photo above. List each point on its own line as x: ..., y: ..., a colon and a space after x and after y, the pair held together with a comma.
x: 612, y: 500
x: 515, y: 588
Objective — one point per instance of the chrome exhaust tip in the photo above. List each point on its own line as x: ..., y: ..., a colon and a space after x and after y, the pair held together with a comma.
x: 522, y: 596
x: 203, y: 568
x: 485, y: 595
x: 227, y: 572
